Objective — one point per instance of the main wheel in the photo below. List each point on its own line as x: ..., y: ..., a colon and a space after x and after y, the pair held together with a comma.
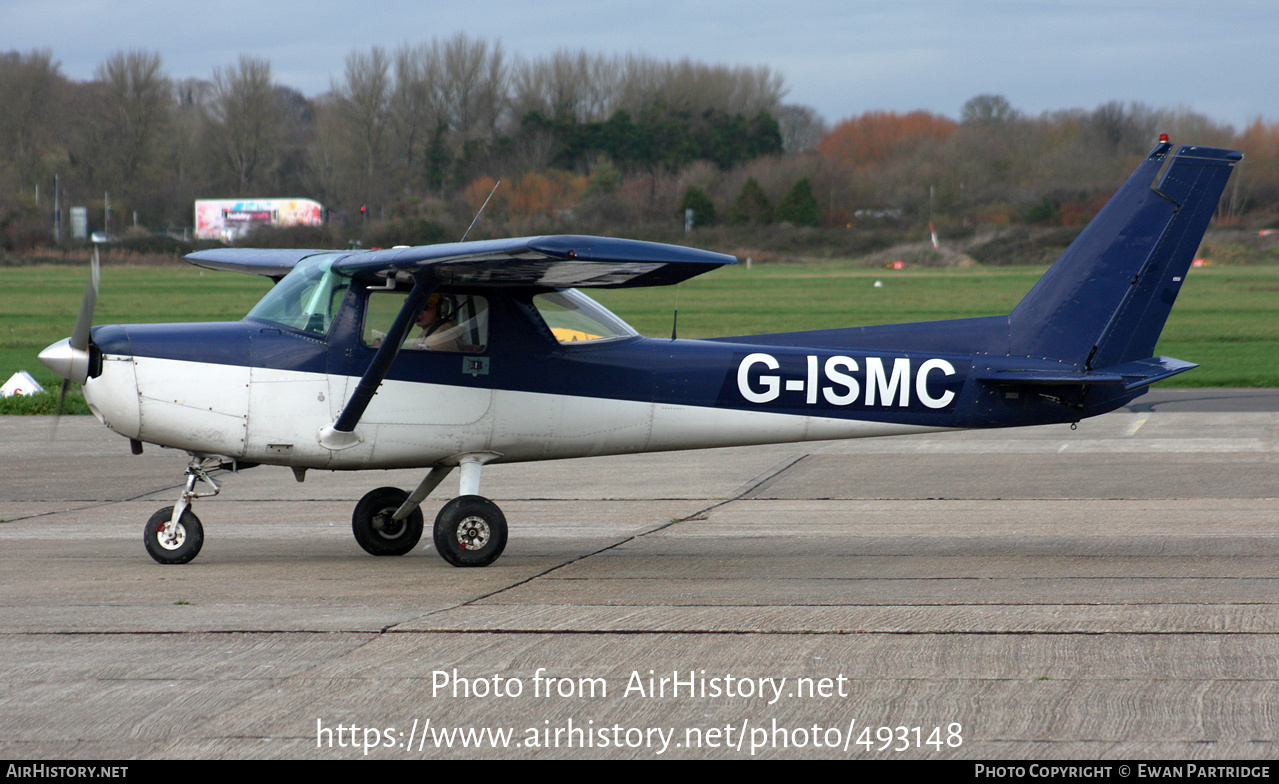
x: 377, y: 532
x: 470, y: 531
x: 188, y: 537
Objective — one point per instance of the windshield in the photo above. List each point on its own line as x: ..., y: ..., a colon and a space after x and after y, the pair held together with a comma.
x: 574, y: 317
x: 307, y: 298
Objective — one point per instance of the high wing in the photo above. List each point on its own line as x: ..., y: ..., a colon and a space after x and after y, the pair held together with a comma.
x: 562, y: 261
x: 274, y: 263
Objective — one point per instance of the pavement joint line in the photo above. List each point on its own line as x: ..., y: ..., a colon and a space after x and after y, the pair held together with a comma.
x: 90, y: 503
x: 768, y: 478
x: 374, y: 634
x: 700, y: 514
x: 846, y: 632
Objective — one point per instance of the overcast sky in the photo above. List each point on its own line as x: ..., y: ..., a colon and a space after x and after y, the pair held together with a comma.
x: 840, y: 57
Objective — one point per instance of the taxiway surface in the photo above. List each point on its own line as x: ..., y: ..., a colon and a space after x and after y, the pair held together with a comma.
x: 1043, y: 593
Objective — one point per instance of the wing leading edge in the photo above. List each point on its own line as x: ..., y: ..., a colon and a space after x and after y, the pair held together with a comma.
x: 558, y: 261
x: 274, y: 263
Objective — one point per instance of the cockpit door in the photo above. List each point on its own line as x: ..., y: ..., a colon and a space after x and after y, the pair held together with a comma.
x: 440, y: 376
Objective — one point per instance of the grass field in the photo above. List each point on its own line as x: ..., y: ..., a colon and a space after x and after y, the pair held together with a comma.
x: 1226, y: 318
x: 38, y: 306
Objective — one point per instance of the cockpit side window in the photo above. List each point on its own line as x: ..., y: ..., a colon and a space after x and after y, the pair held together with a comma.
x: 448, y: 322
x: 576, y: 318
x: 308, y: 298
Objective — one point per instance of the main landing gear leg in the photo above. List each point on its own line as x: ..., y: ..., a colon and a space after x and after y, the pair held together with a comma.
x: 174, y: 535
x: 387, y: 520
x: 470, y: 530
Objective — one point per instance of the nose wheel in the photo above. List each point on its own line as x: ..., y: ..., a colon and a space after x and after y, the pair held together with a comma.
x: 173, y: 543
x: 174, y: 535
x: 470, y: 531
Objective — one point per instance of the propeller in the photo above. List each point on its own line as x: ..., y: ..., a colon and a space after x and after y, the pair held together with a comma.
x: 69, y: 357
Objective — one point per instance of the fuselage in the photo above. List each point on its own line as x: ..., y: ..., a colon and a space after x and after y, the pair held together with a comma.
x: 260, y: 391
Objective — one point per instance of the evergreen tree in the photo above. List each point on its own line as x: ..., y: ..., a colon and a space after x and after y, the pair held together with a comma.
x: 751, y: 206
x: 799, y: 205
x: 703, y: 208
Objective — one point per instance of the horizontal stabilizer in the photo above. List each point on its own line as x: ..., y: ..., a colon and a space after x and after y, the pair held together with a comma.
x: 1132, y: 375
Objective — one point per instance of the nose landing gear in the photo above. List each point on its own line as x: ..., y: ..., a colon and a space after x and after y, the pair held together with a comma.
x: 170, y: 543
x: 174, y: 535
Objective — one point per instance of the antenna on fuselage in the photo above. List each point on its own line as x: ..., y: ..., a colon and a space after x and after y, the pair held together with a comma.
x: 481, y: 211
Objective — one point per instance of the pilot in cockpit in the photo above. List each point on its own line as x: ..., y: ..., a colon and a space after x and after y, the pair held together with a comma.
x: 439, y: 332
x: 447, y: 322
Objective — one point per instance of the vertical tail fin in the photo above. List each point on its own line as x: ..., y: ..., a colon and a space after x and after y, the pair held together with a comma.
x: 1105, y: 301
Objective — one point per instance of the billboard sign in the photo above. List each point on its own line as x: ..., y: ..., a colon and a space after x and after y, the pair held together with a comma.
x: 230, y: 219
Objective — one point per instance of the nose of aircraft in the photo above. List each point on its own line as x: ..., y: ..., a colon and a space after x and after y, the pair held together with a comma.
x: 67, y: 361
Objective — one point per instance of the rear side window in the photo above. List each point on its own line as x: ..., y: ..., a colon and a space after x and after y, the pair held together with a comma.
x: 576, y: 318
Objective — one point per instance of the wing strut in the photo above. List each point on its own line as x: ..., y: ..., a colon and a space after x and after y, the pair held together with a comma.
x: 341, y: 434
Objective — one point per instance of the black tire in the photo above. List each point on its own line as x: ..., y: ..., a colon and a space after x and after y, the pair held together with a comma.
x: 470, y: 531
x: 374, y: 529
x: 188, y: 540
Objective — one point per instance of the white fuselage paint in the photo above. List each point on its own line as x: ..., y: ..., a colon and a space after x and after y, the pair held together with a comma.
x: 274, y: 416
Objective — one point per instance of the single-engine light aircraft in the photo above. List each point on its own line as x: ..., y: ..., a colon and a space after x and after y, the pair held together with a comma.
x: 460, y: 355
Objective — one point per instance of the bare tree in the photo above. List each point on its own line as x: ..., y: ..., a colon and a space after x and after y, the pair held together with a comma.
x: 135, y: 113
x: 475, y: 77
x: 567, y: 86
x: 1123, y: 129
x: 363, y: 104
x: 801, y: 127
x: 696, y: 87
x: 445, y: 106
x: 326, y: 153
x: 599, y: 101
x: 988, y: 110
x: 184, y: 141
x: 246, y: 122
x: 30, y: 87
x: 419, y: 115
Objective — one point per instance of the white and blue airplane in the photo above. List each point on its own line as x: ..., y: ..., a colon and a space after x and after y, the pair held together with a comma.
x: 460, y: 355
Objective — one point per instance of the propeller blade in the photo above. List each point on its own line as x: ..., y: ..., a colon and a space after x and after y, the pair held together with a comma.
x: 84, y: 319
x: 70, y: 358
x: 57, y: 412
x: 62, y: 397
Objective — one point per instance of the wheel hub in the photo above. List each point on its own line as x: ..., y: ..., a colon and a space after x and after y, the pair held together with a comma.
x: 386, y: 525
x: 171, y: 541
x: 473, y: 533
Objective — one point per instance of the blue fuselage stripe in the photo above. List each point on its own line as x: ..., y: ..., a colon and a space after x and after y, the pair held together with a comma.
x: 932, y: 390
